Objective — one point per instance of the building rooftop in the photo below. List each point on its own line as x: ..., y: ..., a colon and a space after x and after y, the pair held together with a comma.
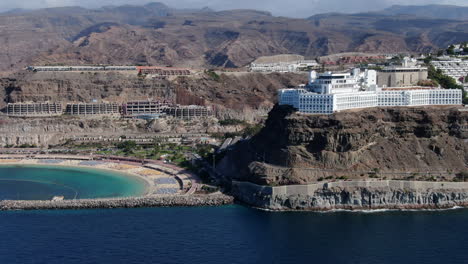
x: 408, y: 88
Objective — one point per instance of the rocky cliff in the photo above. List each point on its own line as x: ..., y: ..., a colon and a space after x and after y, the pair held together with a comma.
x: 386, y: 143
x: 240, y: 95
x: 57, y: 130
x: 358, y: 195
x: 80, y: 87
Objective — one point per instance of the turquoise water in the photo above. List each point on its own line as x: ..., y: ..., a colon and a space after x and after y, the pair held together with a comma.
x: 45, y: 182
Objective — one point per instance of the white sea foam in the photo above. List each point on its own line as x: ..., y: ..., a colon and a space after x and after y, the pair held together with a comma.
x: 372, y: 211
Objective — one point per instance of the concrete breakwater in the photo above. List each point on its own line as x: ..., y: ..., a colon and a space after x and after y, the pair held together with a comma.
x: 133, y: 202
x: 355, y: 195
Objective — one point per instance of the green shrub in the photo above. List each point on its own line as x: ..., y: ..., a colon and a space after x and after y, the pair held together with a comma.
x: 213, y: 75
x: 27, y: 146
x: 252, y: 130
x: 231, y: 122
x: 462, y: 176
x: 127, y: 146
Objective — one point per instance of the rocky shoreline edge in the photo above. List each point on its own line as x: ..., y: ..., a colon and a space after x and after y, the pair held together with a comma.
x: 324, y: 197
x: 364, y: 209
x: 131, y: 202
x: 354, y: 196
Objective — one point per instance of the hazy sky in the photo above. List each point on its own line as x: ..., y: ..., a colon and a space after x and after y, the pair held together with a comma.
x: 293, y: 8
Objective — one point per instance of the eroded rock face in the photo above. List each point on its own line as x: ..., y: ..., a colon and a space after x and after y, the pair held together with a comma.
x: 57, y: 130
x: 80, y: 87
x: 297, y: 149
x: 364, y: 195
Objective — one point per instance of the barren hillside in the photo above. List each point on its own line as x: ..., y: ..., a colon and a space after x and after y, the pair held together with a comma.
x: 157, y: 35
x: 232, y: 94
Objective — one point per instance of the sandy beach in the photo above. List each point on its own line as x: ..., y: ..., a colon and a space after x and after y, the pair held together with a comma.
x: 157, y: 182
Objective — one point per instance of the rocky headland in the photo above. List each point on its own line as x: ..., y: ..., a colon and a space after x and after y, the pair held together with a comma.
x: 368, y: 147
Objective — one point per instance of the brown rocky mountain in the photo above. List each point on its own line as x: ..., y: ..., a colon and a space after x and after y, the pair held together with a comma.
x: 157, y: 35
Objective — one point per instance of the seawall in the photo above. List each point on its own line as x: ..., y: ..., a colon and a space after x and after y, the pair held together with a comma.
x: 133, y: 202
x: 354, y: 195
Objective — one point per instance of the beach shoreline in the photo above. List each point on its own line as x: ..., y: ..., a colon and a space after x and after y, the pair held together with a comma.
x: 146, y: 174
x: 156, y: 180
x: 147, y: 183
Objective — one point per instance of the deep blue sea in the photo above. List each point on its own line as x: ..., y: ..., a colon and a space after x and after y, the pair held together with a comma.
x: 232, y: 234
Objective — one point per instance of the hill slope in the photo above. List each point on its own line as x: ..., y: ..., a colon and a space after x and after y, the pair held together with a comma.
x: 157, y: 35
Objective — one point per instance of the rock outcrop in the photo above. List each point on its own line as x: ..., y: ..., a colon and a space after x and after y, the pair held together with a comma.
x: 360, y: 195
x: 388, y: 143
x: 57, y: 130
x: 80, y: 87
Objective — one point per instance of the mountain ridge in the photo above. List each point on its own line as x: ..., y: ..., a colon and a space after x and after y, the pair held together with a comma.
x: 432, y: 11
x: 155, y: 34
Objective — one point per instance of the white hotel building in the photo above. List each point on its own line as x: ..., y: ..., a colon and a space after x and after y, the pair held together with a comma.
x: 333, y: 92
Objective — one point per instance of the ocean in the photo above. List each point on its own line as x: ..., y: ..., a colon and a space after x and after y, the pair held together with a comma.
x: 232, y: 234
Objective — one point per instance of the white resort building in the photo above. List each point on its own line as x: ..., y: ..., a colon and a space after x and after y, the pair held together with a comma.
x: 333, y: 92
x: 455, y: 68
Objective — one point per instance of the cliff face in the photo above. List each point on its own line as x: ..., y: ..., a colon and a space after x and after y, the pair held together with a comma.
x: 57, y: 130
x: 360, y: 195
x: 240, y: 91
x: 385, y: 143
x: 81, y: 87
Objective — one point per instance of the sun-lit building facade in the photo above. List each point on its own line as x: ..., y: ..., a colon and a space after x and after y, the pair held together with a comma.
x: 333, y: 92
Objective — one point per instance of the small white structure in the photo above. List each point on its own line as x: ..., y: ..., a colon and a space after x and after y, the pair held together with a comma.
x: 293, y: 66
x: 80, y: 68
x: 333, y: 92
